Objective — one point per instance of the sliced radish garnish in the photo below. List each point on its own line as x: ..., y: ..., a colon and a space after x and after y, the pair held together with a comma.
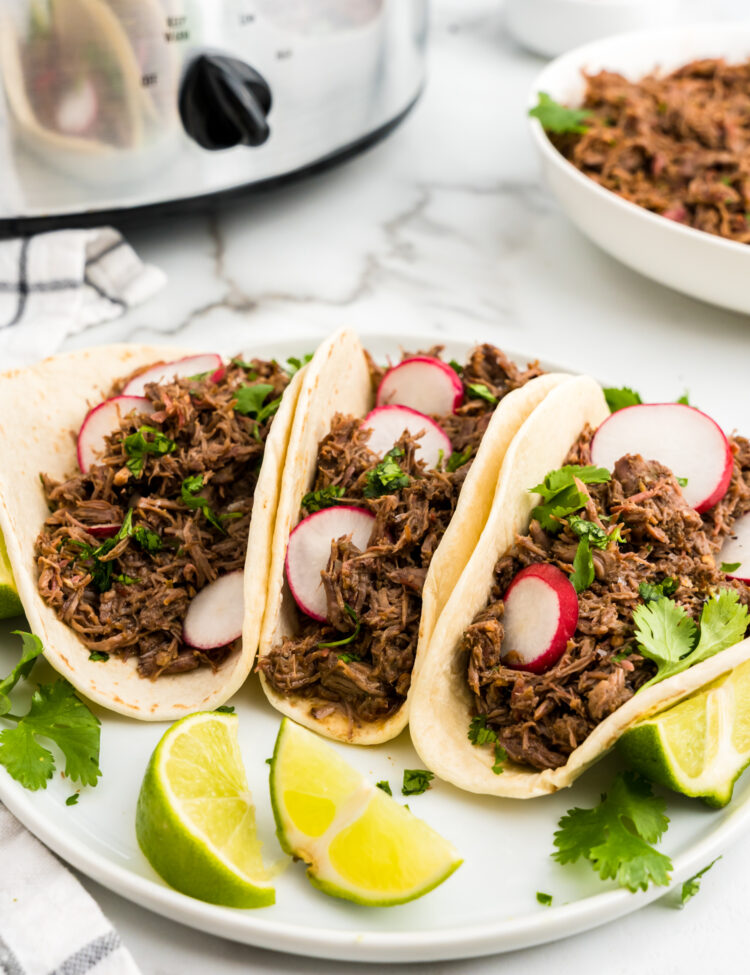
x: 737, y: 549
x: 214, y: 616
x: 192, y: 365
x: 77, y: 109
x: 423, y: 383
x: 682, y: 438
x: 309, y: 550
x: 541, y: 614
x: 388, y: 423
x: 103, y: 420
x: 103, y: 531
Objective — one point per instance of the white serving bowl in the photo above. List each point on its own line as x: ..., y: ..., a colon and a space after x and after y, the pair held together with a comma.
x: 697, y: 263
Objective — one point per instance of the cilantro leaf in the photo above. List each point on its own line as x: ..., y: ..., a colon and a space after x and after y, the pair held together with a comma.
x: 665, y: 634
x: 456, y: 367
x: 649, y: 591
x: 730, y: 566
x: 98, y: 656
x: 416, y: 781
x: 137, y: 446
x: 59, y: 714
x: 247, y: 366
x: 190, y: 497
x: 682, y: 481
x: 545, y: 899
x: 24, y: 758
x: 457, y: 459
x: 225, y: 709
x: 294, y: 364
x: 480, y: 391
x: 249, y: 399
x: 385, y: 786
x: 501, y: 757
x: 348, y: 658
x: 347, y: 639
x: 557, y: 118
x: 595, y: 535
x: 723, y: 623
x: 615, y: 836
x: 561, y: 496
x: 691, y: 886
x: 73, y: 800
x: 479, y: 733
x: 685, y: 400
x: 387, y: 477
x: 617, y: 399
x: 583, y: 566
x: 327, y: 497
x: 149, y: 540
x: 31, y: 648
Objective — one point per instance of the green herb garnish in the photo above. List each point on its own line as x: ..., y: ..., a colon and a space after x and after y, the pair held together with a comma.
x: 190, y: 497
x: 98, y: 656
x: 619, y: 398
x: 387, y: 477
x: 480, y: 391
x: 327, y: 497
x: 616, y: 836
x: 294, y: 364
x: 347, y: 639
x: 457, y: 459
x: 583, y: 567
x: 685, y: 400
x: 651, y: 591
x: 148, y: 540
x: 480, y: 734
x: 385, y: 786
x: 456, y: 367
x: 545, y: 899
x: 557, y: 118
x: 691, y: 887
x: 101, y: 570
x: 225, y: 709
x: 561, y: 496
x: 249, y: 401
x: 72, y: 800
x: 146, y: 440
x: 730, y: 566
x: 416, y: 781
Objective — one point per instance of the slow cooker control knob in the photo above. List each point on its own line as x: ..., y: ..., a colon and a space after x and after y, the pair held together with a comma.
x: 224, y: 103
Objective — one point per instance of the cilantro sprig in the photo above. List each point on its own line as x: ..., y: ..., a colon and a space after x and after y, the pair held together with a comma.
x: 56, y: 715
x: 146, y: 440
x: 616, y: 836
x: 250, y: 400
x: 192, y: 499
x: 387, y: 477
x: 619, y: 398
x: 557, y: 118
x: 327, y: 497
x: 668, y: 636
x: 561, y: 496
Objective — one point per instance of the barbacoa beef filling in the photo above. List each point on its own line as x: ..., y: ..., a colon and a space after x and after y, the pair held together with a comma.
x: 678, y: 145
x: 188, y: 513
x: 540, y: 719
x: 368, y: 678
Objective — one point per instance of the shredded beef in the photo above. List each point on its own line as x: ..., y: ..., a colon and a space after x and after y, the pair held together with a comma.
x: 140, y: 612
x: 676, y: 144
x: 541, y: 718
x: 368, y: 678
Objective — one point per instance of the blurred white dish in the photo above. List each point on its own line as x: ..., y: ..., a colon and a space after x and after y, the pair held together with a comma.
x: 551, y: 27
x: 700, y: 264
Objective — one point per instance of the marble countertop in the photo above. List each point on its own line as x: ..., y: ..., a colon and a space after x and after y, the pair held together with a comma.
x: 444, y: 227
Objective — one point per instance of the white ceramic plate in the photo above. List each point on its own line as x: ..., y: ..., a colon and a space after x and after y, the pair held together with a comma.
x: 697, y: 263
x: 488, y: 905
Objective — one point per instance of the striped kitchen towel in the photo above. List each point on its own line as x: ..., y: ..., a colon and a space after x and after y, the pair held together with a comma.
x: 48, y: 923
x: 56, y: 284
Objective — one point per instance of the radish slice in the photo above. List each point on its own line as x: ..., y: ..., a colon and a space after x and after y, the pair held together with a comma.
x: 737, y: 549
x: 103, y: 531
x: 77, y: 109
x: 192, y: 365
x: 103, y: 420
x: 422, y: 383
x: 682, y: 438
x: 388, y: 423
x: 309, y: 550
x: 214, y: 616
x: 541, y: 614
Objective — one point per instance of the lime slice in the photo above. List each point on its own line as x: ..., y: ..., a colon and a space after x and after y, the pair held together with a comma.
x: 360, y: 843
x: 700, y: 746
x: 195, y: 820
x: 10, y: 604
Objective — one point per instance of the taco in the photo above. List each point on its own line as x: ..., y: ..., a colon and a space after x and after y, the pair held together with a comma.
x: 389, y: 478
x: 597, y: 595
x: 128, y: 541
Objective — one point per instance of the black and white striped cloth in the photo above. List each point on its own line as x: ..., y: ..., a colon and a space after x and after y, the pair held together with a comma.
x: 48, y: 923
x: 57, y: 284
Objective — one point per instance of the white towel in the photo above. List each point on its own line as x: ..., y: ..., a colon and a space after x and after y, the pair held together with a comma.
x: 56, y: 284
x: 49, y: 925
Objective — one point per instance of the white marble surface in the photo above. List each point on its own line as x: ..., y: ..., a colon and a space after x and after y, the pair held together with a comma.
x: 444, y: 227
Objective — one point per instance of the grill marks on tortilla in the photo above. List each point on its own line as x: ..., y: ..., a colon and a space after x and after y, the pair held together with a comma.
x: 368, y: 679
x: 541, y: 719
x: 676, y: 145
x: 144, y: 618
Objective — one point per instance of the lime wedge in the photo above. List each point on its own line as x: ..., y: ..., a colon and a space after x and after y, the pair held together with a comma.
x: 195, y: 819
x: 360, y: 843
x: 700, y: 746
x: 10, y: 604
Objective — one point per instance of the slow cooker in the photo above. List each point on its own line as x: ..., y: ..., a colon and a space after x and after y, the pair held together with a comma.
x: 110, y: 105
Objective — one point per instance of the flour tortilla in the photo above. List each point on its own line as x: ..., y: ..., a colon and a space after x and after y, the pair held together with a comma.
x: 441, y: 706
x: 41, y: 410
x: 338, y: 381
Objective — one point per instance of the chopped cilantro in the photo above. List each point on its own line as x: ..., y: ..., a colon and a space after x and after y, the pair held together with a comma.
x: 682, y: 481
x: 199, y: 376
x: 347, y: 639
x: 387, y: 477
x: 56, y: 714
x: 583, y: 566
x: 190, y: 497
x: 72, y: 800
x: 480, y: 734
x: 294, y: 364
x: 557, y: 118
x: 247, y: 366
x: 456, y: 367
x: 617, y: 399
x: 649, y: 592
x: 146, y: 440
x: 561, y: 496
x: 249, y: 401
x: 148, y: 540
x: 101, y: 570
x: 501, y: 757
x: 327, y: 497
x: 416, y: 781
x: 269, y: 761
x: 480, y: 391
x: 616, y: 836
x: 225, y: 709
x: 730, y: 566
x: 669, y: 637
x: 98, y: 656
x: 385, y: 786
x: 348, y: 658
x: 685, y: 400
x: 458, y: 459
x: 125, y: 579
x: 593, y: 533
x: 545, y: 899
x: 691, y: 886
